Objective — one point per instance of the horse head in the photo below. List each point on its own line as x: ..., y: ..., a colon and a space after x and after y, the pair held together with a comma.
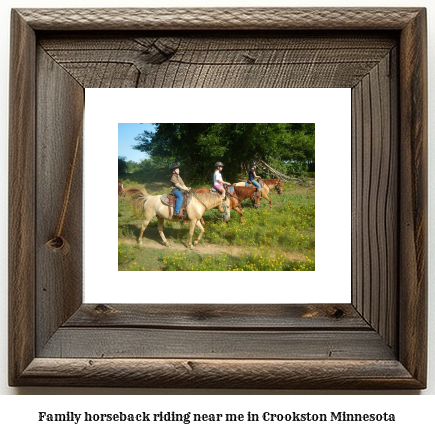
x: 255, y: 198
x: 225, y: 209
x: 279, y: 186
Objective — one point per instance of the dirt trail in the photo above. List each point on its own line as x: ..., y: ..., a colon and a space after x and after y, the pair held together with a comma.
x: 210, y: 249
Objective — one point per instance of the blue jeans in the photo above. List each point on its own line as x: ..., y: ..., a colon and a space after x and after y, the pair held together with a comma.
x: 179, y: 201
x: 256, y: 184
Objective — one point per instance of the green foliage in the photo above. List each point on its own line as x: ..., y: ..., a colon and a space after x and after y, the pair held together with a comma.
x: 152, y: 169
x: 260, y: 260
x: 281, y: 238
x: 122, y: 165
x: 291, y: 225
x: 125, y: 254
x: 197, y: 147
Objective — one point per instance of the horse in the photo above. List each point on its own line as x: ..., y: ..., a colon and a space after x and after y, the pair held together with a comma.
x: 120, y: 188
x: 152, y: 206
x: 264, y: 190
x: 236, y: 198
x: 274, y: 183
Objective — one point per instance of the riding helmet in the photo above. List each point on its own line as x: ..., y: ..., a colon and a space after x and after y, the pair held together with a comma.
x: 218, y: 164
x: 252, y: 163
x: 173, y: 167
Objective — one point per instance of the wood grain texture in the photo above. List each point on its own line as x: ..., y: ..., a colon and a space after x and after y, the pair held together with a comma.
x: 228, y: 374
x: 220, y: 18
x: 95, y: 342
x: 60, y: 105
x: 220, y: 317
x: 21, y: 198
x: 378, y: 342
x: 375, y: 200
x: 413, y: 196
x: 236, y: 60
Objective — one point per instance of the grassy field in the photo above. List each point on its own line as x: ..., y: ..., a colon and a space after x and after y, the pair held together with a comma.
x: 277, y: 239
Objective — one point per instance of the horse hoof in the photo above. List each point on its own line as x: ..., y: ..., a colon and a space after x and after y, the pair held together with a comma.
x: 168, y: 246
x: 191, y: 248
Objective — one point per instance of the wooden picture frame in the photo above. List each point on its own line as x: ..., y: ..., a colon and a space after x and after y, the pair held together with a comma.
x: 376, y: 342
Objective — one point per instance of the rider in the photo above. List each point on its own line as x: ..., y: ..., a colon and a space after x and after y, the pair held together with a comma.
x: 218, y: 182
x: 177, y: 186
x: 253, y: 175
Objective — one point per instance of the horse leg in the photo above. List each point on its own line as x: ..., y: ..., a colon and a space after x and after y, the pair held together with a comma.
x: 144, y: 226
x: 240, y: 211
x: 264, y: 196
x: 198, y: 223
x: 162, y: 235
x: 191, y: 230
x: 149, y: 215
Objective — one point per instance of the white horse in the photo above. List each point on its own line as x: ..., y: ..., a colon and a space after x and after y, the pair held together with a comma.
x: 152, y: 206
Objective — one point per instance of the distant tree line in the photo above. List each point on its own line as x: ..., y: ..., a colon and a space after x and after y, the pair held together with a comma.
x: 197, y: 147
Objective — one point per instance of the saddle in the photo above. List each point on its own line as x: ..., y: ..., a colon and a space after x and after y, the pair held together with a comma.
x: 250, y: 184
x: 228, y: 189
x: 169, y: 201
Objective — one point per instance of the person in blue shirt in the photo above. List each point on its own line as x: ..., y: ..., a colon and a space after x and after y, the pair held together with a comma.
x: 253, y: 176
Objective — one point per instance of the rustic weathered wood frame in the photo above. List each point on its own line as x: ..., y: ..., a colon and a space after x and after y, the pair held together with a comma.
x: 377, y: 341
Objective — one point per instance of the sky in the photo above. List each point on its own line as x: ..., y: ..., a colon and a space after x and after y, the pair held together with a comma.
x: 126, y: 135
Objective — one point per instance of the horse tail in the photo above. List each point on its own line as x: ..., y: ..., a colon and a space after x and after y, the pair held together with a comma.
x: 138, y: 197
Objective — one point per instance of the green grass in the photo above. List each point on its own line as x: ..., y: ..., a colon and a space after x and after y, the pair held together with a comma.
x: 134, y: 258
x: 268, y: 236
x: 259, y: 260
x: 289, y: 224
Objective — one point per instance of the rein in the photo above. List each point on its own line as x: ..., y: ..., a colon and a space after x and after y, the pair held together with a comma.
x: 223, y: 215
x: 235, y: 197
x: 276, y: 184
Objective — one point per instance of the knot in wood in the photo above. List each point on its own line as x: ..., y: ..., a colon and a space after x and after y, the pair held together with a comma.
x: 103, y: 309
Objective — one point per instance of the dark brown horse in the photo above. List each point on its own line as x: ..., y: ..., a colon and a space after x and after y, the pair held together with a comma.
x: 236, y: 195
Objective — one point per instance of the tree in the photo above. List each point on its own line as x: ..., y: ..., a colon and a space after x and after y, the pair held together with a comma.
x: 198, y: 146
x: 122, y: 165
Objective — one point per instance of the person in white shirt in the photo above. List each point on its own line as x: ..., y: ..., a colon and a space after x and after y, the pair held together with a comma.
x: 218, y: 182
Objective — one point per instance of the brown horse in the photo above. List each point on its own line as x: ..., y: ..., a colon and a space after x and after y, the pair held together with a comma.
x: 152, y: 206
x: 274, y: 183
x: 120, y: 188
x: 264, y: 190
x: 236, y: 197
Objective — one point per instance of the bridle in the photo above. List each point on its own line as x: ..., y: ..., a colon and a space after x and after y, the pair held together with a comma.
x: 224, y: 207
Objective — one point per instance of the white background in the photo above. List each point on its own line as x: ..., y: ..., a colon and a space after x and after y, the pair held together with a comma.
x: 415, y: 411
x: 329, y: 109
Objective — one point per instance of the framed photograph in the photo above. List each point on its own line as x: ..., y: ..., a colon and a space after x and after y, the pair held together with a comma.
x: 293, y: 232
x: 377, y: 341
